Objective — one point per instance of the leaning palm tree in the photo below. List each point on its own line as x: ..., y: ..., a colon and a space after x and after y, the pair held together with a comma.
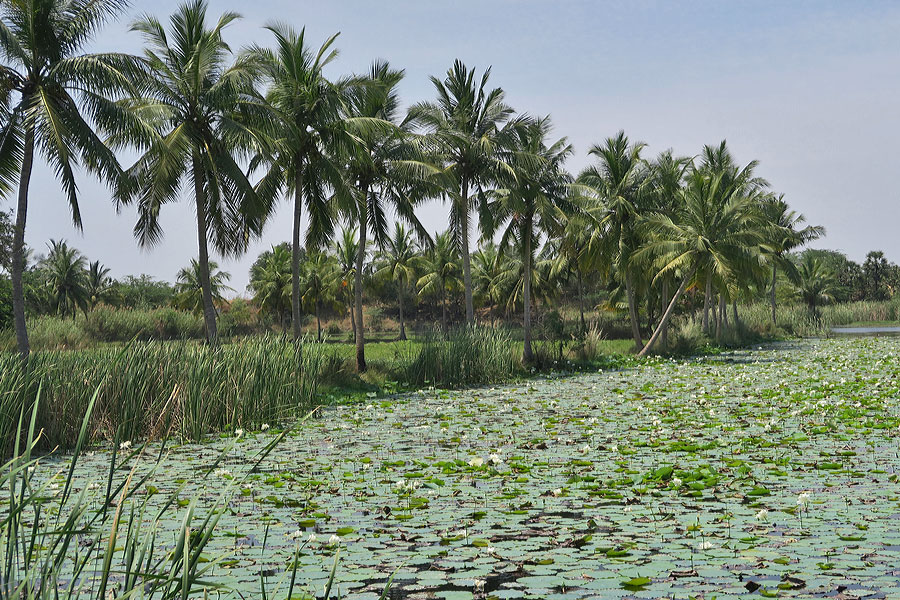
x: 469, y: 125
x: 536, y: 200
x: 708, y: 234
x: 189, y: 286
x: 397, y: 260
x: 785, y: 235
x: 187, y: 131
x: 50, y: 96
x: 66, y: 279
x: 271, y: 283
x: 618, y: 184
x: 440, y: 273
x: 389, y: 170
x: 301, y: 115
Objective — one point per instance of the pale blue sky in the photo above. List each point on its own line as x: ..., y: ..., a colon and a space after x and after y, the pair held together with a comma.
x: 810, y: 89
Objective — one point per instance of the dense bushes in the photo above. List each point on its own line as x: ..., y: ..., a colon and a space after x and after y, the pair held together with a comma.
x: 113, y: 325
x: 150, y: 388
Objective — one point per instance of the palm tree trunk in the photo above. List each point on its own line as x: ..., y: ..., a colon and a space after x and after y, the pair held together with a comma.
x: 209, y: 310
x: 667, y: 314
x: 467, y: 265
x: 772, y: 292
x: 527, y: 355
x: 707, y: 298
x: 737, y: 320
x: 318, y: 321
x: 295, y: 255
x: 581, y: 302
x: 351, y: 302
x: 357, y: 289
x: 444, y: 309
x: 632, y: 312
x: 720, y: 326
x: 18, y: 249
x: 665, y: 326
x: 400, y: 299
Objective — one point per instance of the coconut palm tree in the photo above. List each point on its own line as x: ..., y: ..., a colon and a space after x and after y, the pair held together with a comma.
x: 271, y: 283
x: 189, y: 286
x: 301, y: 114
x: 536, y: 200
x: 388, y: 168
x: 100, y: 286
x: 816, y: 283
x: 441, y: 273
x: 488, y: 270
x: 187, y: 132
x: 711, y: 234
x: 470, y: 126
x: 51, y: 98
x: 346, y: 249
x: 65, y: 278
x: 785, y: 235
x: 397, y: 259
x: 319, y: 278
x: 618, y: 185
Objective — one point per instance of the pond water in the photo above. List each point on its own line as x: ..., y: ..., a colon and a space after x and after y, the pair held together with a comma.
x: 770, y: 470
x: 874, y: 330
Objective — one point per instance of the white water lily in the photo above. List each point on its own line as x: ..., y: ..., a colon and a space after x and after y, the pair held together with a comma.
x: 704, y: 545
x: 676, y: 482
x: 295, y: 535
x: 585, y: 449
x: 222, y: 473
x: 476, y: 462
x: 265, y: 427
x: 238, y: 433
x: 311, y: 539
x: 557, y: 492
x: 334, y: 539
x: 126, y: 445
x: 762, y: 514
x: 490, y: 550
x: 495, y: 459
x: 803, y: 499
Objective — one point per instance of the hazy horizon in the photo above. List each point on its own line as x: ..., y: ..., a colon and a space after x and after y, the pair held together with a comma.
x: 808, y: 90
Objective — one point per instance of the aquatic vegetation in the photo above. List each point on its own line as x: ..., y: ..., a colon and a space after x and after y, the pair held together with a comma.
x: 771, y: 470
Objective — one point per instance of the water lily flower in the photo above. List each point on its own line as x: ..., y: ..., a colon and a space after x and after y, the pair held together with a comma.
x: 295, y: 535
x: 265, y: 427
x: 222, y: 473
x: 126, y: 445
x: 495, y: 459
x: 676, y: 482
x: 479, y: 586
x: 238, y: 433
x: 803, y: 499
x: 762, y: 514
x: 476, y: 462
x: 704, y: 545
x: 557, y: 492
x: 311, y: 539
x: 334, y: 539
x: 490, y: 550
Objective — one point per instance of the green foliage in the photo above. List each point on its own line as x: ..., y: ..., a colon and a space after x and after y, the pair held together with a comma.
x: 115, y: 325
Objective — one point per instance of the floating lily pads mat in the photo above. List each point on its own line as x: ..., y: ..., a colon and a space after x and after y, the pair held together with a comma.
x: 758, y: 473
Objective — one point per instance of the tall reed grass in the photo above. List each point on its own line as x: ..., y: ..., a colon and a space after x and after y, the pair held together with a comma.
x: 467, y: 356
x: 151, y: 389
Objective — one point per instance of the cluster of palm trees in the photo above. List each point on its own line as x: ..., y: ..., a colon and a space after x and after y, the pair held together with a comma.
x: 236, y: 131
